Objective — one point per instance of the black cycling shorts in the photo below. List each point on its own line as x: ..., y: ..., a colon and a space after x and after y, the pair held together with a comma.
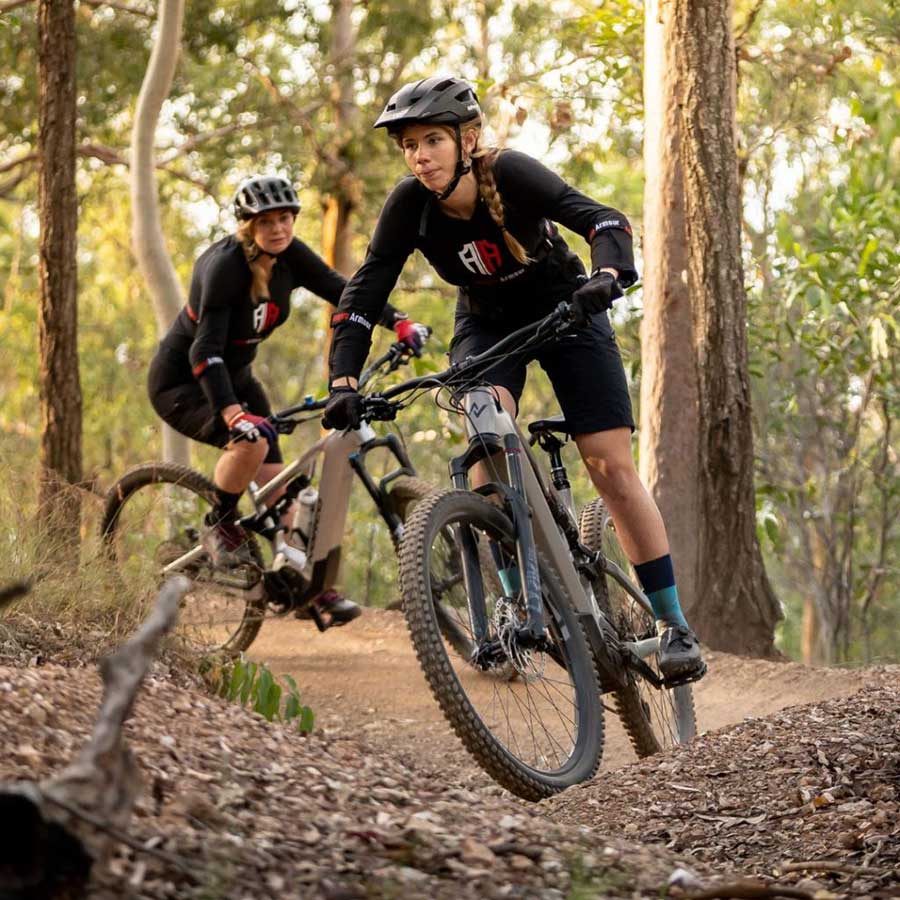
x: 584, y: 366
x: 183, y: 405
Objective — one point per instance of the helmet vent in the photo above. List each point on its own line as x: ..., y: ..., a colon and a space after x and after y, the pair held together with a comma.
x: 447, y: 82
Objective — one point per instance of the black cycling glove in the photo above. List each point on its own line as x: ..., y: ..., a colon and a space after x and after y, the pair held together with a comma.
x: 344, y: 409
x: 596, y: 295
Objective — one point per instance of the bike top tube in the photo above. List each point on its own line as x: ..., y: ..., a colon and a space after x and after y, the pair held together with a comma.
x: 560, y: 316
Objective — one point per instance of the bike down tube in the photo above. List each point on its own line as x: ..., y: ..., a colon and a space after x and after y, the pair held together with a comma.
x: 335, y: 483
x: 485, y: 417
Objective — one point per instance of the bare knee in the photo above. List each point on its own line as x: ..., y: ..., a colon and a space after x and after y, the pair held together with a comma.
x: 238, y: 465
x: 616, y: 480
x: 251, y: 453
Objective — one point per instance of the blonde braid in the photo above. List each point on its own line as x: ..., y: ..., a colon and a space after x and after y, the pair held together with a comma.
x: 259, y: 287
x: 483, y: 167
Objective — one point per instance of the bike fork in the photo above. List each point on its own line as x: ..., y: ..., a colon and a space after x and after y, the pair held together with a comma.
x: 526, y: 551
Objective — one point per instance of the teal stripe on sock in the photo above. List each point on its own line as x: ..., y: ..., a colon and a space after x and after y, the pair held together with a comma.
x: 666, y: 606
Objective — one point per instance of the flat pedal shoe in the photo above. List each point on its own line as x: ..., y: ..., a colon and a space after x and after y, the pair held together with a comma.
x: 329, y: 609
x: 679, y: 654
x: 687, y: 677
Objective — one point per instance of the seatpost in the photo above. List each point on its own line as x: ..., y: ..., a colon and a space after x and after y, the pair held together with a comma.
x: 552, y: 446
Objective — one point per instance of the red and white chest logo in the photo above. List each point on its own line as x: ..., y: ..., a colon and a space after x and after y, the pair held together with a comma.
x: 481, y: 257
x: 265, y: 316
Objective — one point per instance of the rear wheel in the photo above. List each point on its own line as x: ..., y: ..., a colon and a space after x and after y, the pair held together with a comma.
x: 654, y: 718
x: 152, y: 517
x: 536, y: 734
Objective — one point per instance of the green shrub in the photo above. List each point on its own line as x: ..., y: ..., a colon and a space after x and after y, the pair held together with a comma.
x: 253, y: 684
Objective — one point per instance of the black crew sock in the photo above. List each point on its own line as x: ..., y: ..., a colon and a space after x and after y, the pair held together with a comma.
x: 225, y: 508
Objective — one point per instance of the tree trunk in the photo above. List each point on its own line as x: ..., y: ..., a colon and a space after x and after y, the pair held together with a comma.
x: 810, y: 637
x: 147, y: 237
x: 736, y: 609
x: 342, y: 196
x: 669, y: 433
x: 60, y: 385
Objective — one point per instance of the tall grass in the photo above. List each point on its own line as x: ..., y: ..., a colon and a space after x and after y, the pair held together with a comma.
x: 70, y: 615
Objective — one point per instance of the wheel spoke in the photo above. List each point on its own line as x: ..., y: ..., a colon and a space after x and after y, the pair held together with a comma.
x: 154, y: 515
x: 655, y: 719
x: 538, y: 707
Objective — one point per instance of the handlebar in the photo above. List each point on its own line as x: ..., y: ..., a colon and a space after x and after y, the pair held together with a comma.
x: 382, y: 407
x: 397, y: 354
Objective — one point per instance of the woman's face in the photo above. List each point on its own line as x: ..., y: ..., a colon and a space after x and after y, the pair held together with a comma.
x: 430, y: 153
x: 273, y: 230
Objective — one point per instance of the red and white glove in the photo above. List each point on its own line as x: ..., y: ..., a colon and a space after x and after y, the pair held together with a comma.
x: 244, y: 426
x: 412, y: 334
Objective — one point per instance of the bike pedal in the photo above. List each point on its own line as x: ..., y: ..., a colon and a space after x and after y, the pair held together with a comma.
x: 687, y: 678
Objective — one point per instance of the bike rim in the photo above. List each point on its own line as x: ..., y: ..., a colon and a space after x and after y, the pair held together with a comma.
x: 156, y: 525
x: 533, y: 710
x: 663, y: 707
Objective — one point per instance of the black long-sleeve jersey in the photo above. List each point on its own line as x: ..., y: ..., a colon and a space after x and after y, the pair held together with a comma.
x: 217, y: 332
x: 473, y: 255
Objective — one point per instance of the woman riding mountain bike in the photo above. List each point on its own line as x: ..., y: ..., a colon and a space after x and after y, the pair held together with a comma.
x: 484, y: 220
x: 201, y: 380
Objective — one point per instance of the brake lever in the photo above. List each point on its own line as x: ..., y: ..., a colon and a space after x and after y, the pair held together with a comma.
x: 377, y: 409
x: 564, y: 316
x: 284, y: 426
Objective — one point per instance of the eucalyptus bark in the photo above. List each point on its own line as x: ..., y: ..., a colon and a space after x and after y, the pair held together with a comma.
x: 342, y: 195
x: 736, y: 609
x: 669, y: 427
x: 148, y: 241
x: 60, y: 385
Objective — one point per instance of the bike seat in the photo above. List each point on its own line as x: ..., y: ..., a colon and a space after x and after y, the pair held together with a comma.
x: 554, y: 423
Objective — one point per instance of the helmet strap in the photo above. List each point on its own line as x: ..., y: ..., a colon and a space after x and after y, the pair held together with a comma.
x: 462, y: 167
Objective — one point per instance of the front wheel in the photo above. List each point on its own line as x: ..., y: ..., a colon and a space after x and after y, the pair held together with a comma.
x: 152, y: 517
x: 655, y: 718
x: 405, y: 492
x: 540, y: 732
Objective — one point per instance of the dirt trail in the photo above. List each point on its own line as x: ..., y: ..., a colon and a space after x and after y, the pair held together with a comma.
x: 364, y: 679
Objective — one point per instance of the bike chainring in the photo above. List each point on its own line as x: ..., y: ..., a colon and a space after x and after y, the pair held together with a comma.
x: 285, y: 589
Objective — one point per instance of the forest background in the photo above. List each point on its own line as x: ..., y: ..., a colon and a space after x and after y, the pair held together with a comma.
x: 294, y: 87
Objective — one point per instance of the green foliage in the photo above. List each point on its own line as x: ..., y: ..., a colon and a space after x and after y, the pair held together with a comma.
x: 253, y: 684
x: 255, y: 90
x: 828, y: 392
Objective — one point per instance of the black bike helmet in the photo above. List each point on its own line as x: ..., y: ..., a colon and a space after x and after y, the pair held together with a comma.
x: 440, y: 99
x: 261, y: 193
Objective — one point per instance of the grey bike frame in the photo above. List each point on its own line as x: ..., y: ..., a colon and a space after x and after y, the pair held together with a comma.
x: 486, y: 418
x: 323, y: 550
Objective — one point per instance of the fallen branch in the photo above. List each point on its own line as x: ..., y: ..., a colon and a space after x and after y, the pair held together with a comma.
x: 748, y: 890
x: 52, y: 833
x: 824, y: 865
x: 121, y: 837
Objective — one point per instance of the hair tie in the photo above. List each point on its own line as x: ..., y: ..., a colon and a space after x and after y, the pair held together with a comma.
x: 502, y: 227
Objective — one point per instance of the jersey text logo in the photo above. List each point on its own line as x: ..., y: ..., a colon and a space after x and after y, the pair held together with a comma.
x: 481, y: 257
x: 265, y: 316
